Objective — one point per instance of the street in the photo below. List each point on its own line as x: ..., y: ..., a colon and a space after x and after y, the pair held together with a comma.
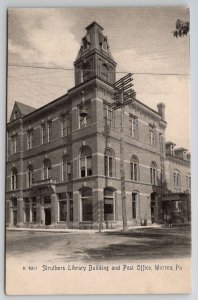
x: 119, y: 246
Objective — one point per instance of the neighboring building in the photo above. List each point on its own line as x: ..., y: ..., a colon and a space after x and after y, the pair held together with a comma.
x: 63, y: 163
x: 176, y: 202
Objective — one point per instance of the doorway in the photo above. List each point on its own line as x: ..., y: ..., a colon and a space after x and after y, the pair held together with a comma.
x: 14, y: 217
x: 153, y: 208
x: 47, y: 216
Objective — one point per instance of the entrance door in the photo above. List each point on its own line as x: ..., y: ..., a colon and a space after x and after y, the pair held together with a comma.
x: 47, y: 216
x: 14, y: 217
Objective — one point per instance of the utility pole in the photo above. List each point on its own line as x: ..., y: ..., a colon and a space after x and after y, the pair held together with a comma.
x: 123, y: 95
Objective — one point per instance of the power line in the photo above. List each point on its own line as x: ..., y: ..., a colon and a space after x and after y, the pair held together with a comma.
x: 120, y: 72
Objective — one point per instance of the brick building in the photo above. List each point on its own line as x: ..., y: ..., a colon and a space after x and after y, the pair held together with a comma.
x: 63, y: 161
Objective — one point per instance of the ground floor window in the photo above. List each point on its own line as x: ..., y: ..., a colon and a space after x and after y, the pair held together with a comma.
x: 86, y: 204
x: 26, y: 210
x: 62, y: 207
x: 70, y: 199
x: 109, y: 205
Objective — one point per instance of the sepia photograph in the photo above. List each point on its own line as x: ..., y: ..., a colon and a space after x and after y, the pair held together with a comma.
x: 98, y: 160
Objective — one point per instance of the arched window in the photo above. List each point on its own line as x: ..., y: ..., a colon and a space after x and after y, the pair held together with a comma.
x: 86, y: 205
x: 47, y: 169
x: 176, y: 179
x: 30, y: 175
x: 85, y: 162
x: 105, y: 72
x: 153, y: 173
x: 134, y: 168
x: 14, y: 179
x: 65, y: 168
x: 109, y: 204
x: 109, y: 163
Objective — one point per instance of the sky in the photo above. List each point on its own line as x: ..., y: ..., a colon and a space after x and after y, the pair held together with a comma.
x: 141, y: 41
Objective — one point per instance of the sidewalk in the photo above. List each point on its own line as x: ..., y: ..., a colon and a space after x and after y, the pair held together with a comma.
x: 78, y: 231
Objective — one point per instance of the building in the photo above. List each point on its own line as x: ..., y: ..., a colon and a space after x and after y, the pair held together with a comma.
x: 176, y: 200
x: 63, y: 161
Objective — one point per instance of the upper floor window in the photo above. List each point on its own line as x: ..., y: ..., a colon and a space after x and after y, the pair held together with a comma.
x: 14, y: 144
x: 176, y: 179
x: 86, y: 74
x: 108, y: 115
x: 152, y: 135
x: 134, y: 168
x: 46, y: 132
x: 66, y: 168
x: 105, y: 72
x: 49, y: 131
x: 43, y: 134
x: 85, y: 114
x: 65, y: 125
x: 133, y: 126
x: 188, y: 182
x: 85, y: 162
x: 14, y: 179
x: 30, y: 176
x: 153, y: 173
x: 109, y: 163
x: 29, y: 139
x: 47, y: 169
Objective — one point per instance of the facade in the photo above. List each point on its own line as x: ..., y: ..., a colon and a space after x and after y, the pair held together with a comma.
x: 63, y: 160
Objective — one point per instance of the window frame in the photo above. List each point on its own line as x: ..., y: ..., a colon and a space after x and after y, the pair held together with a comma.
x: 109, y: 163
x: 84, y: 163
x: 153, y: 173
x: 108, y: 115
x: 112, y: 198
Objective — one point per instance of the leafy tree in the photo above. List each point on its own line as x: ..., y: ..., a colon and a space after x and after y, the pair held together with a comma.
x: 182, y: 28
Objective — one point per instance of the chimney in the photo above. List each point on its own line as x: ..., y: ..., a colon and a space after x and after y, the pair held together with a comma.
x: 161, y: 110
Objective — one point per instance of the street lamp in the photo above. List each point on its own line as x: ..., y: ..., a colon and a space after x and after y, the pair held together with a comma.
x: 123, y: 95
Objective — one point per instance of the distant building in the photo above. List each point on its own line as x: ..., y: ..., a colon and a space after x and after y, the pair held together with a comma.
x: 176, y: 202
x: 63, y: 160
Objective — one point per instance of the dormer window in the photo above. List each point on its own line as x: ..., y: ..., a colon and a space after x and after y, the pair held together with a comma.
x: 172, y: 152
x: 105, y: 72
x: 15, y: 114
x: 104, y: 45
x: 86, y: 42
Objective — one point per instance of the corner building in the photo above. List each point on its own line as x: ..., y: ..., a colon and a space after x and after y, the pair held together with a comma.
x: 63, y: 161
